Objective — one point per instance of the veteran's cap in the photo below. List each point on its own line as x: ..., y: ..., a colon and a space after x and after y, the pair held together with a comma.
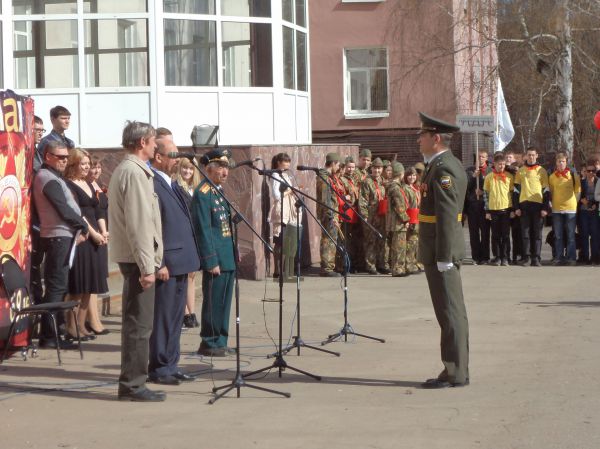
x: 420, y: 167
x: 221, y: 156
x: 434, y: 125
x: 377, y: 162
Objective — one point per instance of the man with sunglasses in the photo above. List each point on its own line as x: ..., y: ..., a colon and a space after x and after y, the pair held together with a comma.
x: 60, y: 222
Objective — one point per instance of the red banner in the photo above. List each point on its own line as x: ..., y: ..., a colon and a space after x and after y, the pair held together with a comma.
x: 17, y: 148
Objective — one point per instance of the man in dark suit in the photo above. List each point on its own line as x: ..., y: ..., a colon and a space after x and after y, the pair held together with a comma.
x: 180, y: 257
x: 442, y: 247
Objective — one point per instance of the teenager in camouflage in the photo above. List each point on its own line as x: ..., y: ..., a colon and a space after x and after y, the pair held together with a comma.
x: 328, y: 218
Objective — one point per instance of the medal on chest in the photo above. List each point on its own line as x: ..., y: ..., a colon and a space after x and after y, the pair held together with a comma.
x: 424, y: 190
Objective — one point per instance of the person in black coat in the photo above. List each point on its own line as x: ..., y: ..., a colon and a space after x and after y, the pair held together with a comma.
x: 479, y: 227
x: 180, y: 257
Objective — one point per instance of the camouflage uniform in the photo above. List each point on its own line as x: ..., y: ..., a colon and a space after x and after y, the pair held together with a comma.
x: 358, y: 177
x: 412, y: 238
x: 329, y: 220
x: 352, y: 242
x: 396, y: 227
x: 368, y: 202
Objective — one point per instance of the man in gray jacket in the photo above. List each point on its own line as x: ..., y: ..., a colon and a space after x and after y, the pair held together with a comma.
x: 136, y: 245
x: 59, y: 223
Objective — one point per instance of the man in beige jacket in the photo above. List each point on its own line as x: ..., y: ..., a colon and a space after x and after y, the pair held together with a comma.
x: 136, y: 245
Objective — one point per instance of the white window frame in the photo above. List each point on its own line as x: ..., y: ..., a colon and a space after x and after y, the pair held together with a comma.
x: 360, y: 114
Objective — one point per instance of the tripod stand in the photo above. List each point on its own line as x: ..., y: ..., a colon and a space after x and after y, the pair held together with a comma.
x: 298, y: 342
x: 279, y: 361
x: 238, y: 382
x: 347, y: 328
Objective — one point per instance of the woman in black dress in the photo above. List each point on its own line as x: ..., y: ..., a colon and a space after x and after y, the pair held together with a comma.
x: 93, y: 323
x: 86, y: 276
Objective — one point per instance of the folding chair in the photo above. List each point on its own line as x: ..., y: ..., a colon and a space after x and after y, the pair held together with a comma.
x: 14, y: 282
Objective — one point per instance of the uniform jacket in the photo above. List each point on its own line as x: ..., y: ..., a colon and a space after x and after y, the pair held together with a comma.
x: 369, y: 197
x: 134, y: 216
x: 180, y: 254
x: 327, y: 196
x: 211, y: 218
x: 401, y: 198
x: 443, y: 188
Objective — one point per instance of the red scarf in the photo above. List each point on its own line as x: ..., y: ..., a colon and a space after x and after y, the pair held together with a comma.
x: 483, y: 170
x: 532, y: 167
x: 501, y: 175
x: 564, y: 173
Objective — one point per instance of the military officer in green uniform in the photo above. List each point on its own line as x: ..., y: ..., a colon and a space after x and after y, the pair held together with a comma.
x: 442, y: 248
x: 212, y: 221
x: 372, y: 195
x: 329, y: 219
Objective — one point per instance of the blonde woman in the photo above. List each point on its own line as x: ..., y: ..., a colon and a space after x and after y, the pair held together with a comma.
x: 85, y: 278
x: 188, y: 177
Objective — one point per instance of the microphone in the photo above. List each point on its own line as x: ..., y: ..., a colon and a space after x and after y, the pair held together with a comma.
x: 177, y: 155
x: 248, y: 162
x: 304, y: 167
x: 270, y: 171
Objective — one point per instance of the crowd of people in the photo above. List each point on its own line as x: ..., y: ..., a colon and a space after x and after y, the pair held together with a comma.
x: 505, y: 208
x: 166, y: 224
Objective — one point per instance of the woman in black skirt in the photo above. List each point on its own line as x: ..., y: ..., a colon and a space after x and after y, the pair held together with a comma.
x: 86, y: 276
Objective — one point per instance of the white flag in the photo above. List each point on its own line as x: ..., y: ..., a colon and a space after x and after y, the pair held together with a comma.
x: 504, y: 128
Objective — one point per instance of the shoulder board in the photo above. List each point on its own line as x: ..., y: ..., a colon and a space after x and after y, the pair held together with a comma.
x: 205, y: 188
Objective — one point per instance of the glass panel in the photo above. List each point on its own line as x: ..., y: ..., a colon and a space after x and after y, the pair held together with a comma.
x: 113, y: 6
x: 190, y: 52
x: 301, y: 13
x: 116, y: 52
x: 358, y: 91
x: 301, y: 75
x: 45, y: 54
x: 366, y: 58
x: 247, y: 54
x: 246, y: 8
x: 289, y: 63
x: 288, y: 10
x: 379, y: 96
x: 44, y: 6
x: 190, y: 6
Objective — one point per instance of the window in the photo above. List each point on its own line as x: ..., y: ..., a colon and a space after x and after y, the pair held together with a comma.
x: 247, y: 54
x: 45, y: 54
x: 294, y: 59
x: 116, y: 52
x: 190, y: 6
x: 366, y: 81
x: 246, y: 8
x: 44, y: 7
x: 190, y: 53
x: 294, y: 11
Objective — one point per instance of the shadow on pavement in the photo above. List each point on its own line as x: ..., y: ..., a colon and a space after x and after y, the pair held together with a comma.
x: 564, y: 303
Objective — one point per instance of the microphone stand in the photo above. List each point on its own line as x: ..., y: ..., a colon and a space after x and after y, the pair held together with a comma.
x: 298, y: 342
x: 238, y: 382
x: 347, y: 329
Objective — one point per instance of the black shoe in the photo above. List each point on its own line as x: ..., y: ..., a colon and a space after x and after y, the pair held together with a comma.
x: 62, y: 344
x: 184, y: 377
x: 504, y: 263
x: 164, y: 380
x: 401, y: 275
x: 372, y: 272
x: 496, y: 262
x: 143, y: 395
x: 69, y: 337
x: 211, y: 352
x: 525, y: 261
x: 384, y: 271
x: 195, y: 322
x: 433, y: 384
x: 536, y: 262
x: 188, y: 322
x: 329, y: 274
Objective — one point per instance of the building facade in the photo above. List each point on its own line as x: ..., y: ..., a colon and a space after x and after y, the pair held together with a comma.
x: 388, y: 59
x: 241, y: 65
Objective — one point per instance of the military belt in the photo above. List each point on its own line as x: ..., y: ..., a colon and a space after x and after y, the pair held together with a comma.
x: 432, y: 218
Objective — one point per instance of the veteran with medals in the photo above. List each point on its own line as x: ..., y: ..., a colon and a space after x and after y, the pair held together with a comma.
x: 442, y: 248
x: 212, y: 221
